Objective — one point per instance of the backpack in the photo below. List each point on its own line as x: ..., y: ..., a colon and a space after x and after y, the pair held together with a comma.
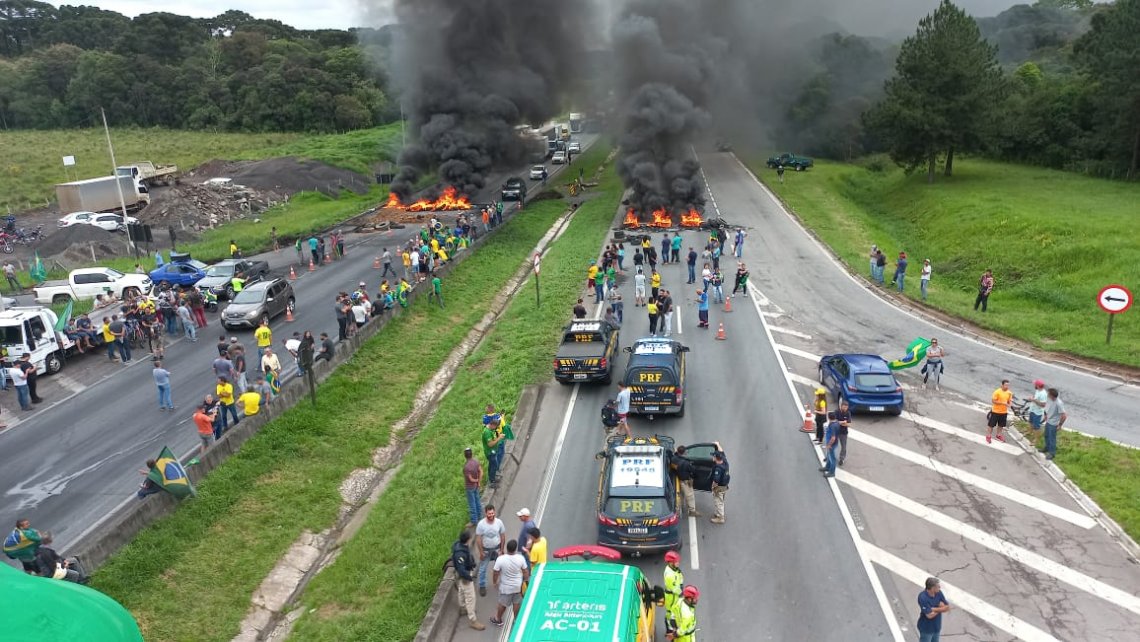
x: 610, y: 416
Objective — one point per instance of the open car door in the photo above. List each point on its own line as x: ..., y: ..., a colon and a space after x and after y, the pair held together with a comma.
x: 702, y: 457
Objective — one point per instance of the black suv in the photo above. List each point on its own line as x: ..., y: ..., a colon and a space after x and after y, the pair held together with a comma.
x: 655, y: 374
x: 514, y: 189
x: 639, y: 506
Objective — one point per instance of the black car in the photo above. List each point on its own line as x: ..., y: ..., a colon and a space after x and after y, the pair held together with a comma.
x: 655, y: 374
x: 587, y: 352
x: 514, y: 189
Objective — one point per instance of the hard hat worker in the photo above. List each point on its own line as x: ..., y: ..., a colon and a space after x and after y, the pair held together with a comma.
x: 674, y: 585
x: 686, y: 617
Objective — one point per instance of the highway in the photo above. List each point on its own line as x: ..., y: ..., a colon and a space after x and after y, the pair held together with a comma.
x: 804, y: 558
x: 69, y: 463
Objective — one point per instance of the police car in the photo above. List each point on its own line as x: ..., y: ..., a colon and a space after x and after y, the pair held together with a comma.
x: 655, y: 375
x: 638, y: 496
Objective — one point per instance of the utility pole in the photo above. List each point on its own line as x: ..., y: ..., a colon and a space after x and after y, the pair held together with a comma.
x: 118, y: 183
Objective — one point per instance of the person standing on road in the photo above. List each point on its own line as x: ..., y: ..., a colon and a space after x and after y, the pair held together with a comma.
x: 162, y: 382
x: 686, y: 616
x: 511, y: 572
x: 985, y: 287
x: 666, y: 311
x: 651, y: 306
x: 464, y: 564
x: 702, y: 309
x: 187, y: 317
x: 270, y: 361
x: 225, y: 391
x: 924, y: 278
x: 20, y: 382
x: 831, y: 440
x: 741, y: 283
x: 684, y: 471
x: 654, y: 284
x: 675, y: 249
x: 492, y: 536
x: 820, y: 408
x: 999, y: 411
x: 524, y: 533
x: 674, y: 581
x: 223, y: 368
x: 738, y: 243
x: 843, y: 416
x: 935, y: 353
x: 720, y: 479
x: 493, y: 447
x: 580, y: 310
x: 205, y: 423
x: 119, y: 333
x: 617, y: 305
x: 622, y: 408
x: 472, y: 482
x: 691, y: 262
x: 29, y: 369
x: 1037, y: 406
x: 264, y: 337
x: 536, y: 547
x: 386, y: 261
x: 665, y: 245
x: 314, y: 250
x: 931, y: 605
x: 638, y: 258
x: 639, y: 288
x: 1055, y: 418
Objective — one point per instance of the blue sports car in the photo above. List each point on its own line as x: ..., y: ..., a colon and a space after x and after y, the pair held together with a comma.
x: 182, y: 272
x: 863, y: 380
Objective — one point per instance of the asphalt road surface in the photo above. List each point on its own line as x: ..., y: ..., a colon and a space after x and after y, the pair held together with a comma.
x: 69, y: 463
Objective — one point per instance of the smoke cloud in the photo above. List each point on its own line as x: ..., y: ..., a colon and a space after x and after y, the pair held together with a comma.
x: 470, y: 72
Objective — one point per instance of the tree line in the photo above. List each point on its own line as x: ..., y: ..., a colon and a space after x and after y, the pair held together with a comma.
x: 1055, y: 84
x: 58, y: 66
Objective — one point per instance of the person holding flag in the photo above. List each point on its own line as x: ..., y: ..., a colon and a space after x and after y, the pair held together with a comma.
x: 37, y: 271
x: 166, y: 474
x: 22, y: 544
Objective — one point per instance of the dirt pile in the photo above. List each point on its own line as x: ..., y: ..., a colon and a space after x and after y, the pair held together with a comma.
x: 285, y: 176
x: 81, y: 244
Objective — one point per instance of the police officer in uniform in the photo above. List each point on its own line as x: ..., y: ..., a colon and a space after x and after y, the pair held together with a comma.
x: 684, y: 471
x: 674, y: 584
x: 464, y: 563
x: 686, y: 617
x: 720, y: 480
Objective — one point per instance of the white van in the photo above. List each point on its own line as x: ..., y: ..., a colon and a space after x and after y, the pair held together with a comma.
x: 32, y: 330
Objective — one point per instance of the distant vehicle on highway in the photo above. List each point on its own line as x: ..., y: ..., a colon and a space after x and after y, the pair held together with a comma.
x: 262, y: 300
x: 183, y: 271
x: 514, y: 189
x: 76, y: 218
x: 112, y: 222
x: 219, y: 276
x: 148, y: 172
x: 574, y: 147
x: 559, y: 158
x: 655, y: 374
x: 863, y: 380
x: 798, y: 163
x: 86, y: 283
x: 538, y: 172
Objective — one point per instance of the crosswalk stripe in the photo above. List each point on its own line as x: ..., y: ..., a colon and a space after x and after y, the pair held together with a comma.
x: 1035, y: 561
x: 990, y: 486
x: 962, y: 433
x: 797, y: 352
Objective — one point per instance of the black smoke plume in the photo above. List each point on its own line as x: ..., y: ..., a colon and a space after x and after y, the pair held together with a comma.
x: 470, y: 72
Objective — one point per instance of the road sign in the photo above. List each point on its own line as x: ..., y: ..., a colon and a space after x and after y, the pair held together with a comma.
x: 537, y: 261
x: 1114, y: 299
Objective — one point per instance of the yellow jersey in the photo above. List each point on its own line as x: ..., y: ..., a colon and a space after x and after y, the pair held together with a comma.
x: 264, y: 336
x: 1001, y: 401
x: 251, y: 401
x: 226, y: 393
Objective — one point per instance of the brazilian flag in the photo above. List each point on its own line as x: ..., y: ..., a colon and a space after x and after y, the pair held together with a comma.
x: 915, y: 353
x: 170, y: 476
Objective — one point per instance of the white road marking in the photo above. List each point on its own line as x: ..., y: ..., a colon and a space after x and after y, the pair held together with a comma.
x: 844, y: 511
x: 69, y: 383
x: 1035, y: 561
x: 694, y: 554
x: 794, y: 333
x: 678, y: 315
x: 797, y: 352
x: 774, y: 315
x: 962, y: 433
x: 990, y: 486
x: 959, y: 598
x: 807, y: 381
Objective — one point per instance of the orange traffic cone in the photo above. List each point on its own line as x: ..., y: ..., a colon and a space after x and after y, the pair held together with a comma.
x: 376, y: 263
x: 728, y: 304
x: 720, y: 333
x: 292, y: 274
x: 809, y: 420
x: 328, y: 258
x: 289, y: 314
x: 312, y: 267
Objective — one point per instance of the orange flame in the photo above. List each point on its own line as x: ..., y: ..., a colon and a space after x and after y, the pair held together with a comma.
x: 449, y: 200
x: 692, y: 218
x: 661, y: 218
x: 631, y: 219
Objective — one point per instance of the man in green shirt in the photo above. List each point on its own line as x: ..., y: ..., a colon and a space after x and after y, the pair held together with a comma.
x: 436, y: 289
x: 493, y: 449
x: 22, y: 544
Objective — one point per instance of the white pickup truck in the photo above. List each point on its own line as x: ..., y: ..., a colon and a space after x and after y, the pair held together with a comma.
x: 87, y: 283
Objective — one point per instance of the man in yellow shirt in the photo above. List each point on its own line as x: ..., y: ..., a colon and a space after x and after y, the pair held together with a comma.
x: 999, y: 411
x: 264, y: 338
x: 251, y: 402
x: 537, y: 547
x: 407, y: 258
x: 108, y: 338
x: 591, y: 276
x: 654, y: 283
x: 225, y: 391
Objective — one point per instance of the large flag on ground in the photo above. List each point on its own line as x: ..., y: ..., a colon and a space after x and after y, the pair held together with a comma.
x: 38, y: 272
x: 170, y: 476
x: 915, y: 353
x: 65, y: 318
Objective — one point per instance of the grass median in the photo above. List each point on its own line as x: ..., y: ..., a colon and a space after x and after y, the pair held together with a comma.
x: 1053, y: 239
x: 190, y: 576
x: 386, y: 576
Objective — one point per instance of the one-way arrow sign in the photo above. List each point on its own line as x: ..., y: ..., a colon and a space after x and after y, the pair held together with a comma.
x: 1114, y: 299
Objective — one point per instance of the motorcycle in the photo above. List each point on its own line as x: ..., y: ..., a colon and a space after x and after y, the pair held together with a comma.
x: 6, y: 243
x: 27, y: 238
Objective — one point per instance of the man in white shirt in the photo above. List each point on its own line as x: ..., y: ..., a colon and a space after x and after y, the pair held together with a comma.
x: 490, y: 536
x: 639, y: 288
x: 623, y: 407
x: 511, y: 571
x: 924, y: 278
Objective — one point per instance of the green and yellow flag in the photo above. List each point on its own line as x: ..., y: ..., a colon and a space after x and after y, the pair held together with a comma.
x: 170, y: 476
x: 38, y: 272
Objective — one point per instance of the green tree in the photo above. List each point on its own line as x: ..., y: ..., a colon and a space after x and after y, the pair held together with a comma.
x: 944, y: 94
x: 1109, y: 54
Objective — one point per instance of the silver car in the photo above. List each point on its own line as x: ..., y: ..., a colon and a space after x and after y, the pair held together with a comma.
x: 257, y: 301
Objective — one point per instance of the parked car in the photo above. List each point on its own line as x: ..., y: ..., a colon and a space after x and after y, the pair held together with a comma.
x: 86, y: 283
x: 559, y: 158
x: 798, y: 163
x: 262, y: 300
x: 180, y: 273
x: 76, y: 218
x: 574, y: 147
x: 112, y: 222
x: 219, y: 276
x: 862, y: 380
x: 538, y: 172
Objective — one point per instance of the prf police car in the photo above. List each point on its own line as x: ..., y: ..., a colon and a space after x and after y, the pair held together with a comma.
x: 638, y: 496
x: 655, y: 375
x: 587, y: 352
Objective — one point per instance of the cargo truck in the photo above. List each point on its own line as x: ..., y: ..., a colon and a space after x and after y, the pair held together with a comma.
x: 576, y: 121
x: 148, y: 172
x: 101, y: 194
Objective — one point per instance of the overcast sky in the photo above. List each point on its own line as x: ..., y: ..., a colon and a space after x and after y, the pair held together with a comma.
x: 871, y: 17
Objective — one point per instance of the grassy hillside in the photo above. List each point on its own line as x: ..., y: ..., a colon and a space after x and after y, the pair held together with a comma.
x: 32, y: 161
x: 1053, y: 239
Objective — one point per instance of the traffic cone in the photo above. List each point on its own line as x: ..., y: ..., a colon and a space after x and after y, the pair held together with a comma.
x: 720, y: 333
x: 376, y: 263
x: 728, y: 304
x: 312, y: 266
x: 809, y: 421
x: 292, y: 274
x: 289, y: 315
x: 328, y: 258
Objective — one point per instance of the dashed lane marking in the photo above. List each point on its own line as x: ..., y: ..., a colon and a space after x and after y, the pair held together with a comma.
x: 794, y: 333
x: 962, y: 433
x: 990, y: 486
x: 797, y: 352
x: 976, y: 606
x: 694, y: 554
x: 1035, y: 561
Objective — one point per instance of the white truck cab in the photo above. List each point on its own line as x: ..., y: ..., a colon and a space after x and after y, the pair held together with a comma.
x: 31, y: 330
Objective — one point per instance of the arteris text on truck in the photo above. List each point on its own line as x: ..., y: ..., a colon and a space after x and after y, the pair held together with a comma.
x: 556, y: 605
